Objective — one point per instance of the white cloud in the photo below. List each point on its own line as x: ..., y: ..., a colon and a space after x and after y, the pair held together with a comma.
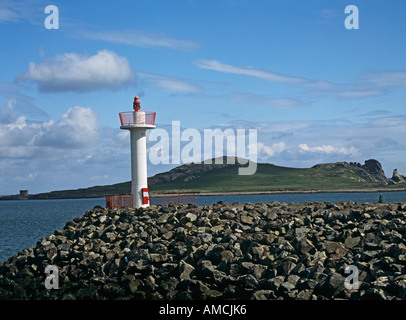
x: 358, y: 94
x: 8, y: 15
x: 78, y: 127
x: 372, y: 84
x: 367, y: 85
x: 265, y: 75
x: 17, y: 153
x: 248, y: 71
x: 18, y: 103
x: 140, y: 39
x: 327, y: 149
x: 16, y: 134
x: 171, y: 84
x: 384, y: 79
x: 70, y: 152
x: 271, y: 150
x: 12, y: 11
x: 280, y: 103
x: 311, y: 142
x: 80, y: 72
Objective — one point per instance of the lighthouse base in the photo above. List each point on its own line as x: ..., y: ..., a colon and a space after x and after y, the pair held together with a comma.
x: 139, y: 166
x: 140, y: 196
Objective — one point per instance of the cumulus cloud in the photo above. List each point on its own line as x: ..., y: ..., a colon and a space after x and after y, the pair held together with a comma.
x: 327, y: 149
x: 70, y: 152
x: 80, y: 72
x: 270, y: 151
x: 76, y: 128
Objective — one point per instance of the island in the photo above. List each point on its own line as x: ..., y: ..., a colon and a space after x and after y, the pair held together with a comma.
x: 214, y: 179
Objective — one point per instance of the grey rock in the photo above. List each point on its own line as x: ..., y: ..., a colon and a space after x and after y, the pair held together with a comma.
x: 163, y: 218
x: 275, y: 282
x: 248, y: 281
x: 191, y: 216
x: 287, y: 286
x: 351, y: 242
x: 263, y: 295
x: 185, y: 270
x: 247, y: 220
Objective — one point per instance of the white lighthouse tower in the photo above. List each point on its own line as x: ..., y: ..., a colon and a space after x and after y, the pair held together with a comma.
x: 138, y: 122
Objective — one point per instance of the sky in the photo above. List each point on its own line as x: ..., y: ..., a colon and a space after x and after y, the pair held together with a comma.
x: 314, y: 90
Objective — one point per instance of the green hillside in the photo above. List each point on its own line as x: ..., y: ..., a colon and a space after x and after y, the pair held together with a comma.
x: 92, y: 192
x: 268, y: 177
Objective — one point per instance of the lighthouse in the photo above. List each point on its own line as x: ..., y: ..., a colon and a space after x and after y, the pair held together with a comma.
x: 138, y: 122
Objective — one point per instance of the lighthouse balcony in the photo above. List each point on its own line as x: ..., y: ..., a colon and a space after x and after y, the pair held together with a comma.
x: 133, y: 119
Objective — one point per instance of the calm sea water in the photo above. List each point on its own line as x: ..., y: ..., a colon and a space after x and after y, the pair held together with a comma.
x: 23, y: 223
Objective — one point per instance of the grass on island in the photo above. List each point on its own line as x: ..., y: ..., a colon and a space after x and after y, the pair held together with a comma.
x: 268, y: 178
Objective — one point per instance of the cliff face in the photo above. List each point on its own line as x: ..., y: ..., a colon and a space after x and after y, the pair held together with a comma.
x: 374, y: 169
x: 370, y: 171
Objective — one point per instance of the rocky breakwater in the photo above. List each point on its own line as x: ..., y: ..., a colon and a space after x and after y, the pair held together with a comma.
x: 224, y: 251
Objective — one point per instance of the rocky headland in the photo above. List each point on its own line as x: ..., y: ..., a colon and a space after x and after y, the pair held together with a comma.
x: 371, y: 170
x: 260, y: 251
x: 397, y: 178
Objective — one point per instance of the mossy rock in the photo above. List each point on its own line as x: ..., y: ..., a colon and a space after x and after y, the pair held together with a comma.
x: 212, y: 294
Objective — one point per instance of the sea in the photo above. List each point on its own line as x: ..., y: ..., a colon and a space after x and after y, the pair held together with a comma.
x: 24, y: 222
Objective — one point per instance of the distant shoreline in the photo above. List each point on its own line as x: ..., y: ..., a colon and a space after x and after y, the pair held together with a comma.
x: 225, y: 193
x: 275, y: 192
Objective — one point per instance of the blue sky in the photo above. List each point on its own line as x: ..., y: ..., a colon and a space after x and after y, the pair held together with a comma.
x: 315, y: 91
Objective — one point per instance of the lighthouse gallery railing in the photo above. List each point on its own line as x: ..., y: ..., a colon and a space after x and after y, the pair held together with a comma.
x: 137, y: 118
